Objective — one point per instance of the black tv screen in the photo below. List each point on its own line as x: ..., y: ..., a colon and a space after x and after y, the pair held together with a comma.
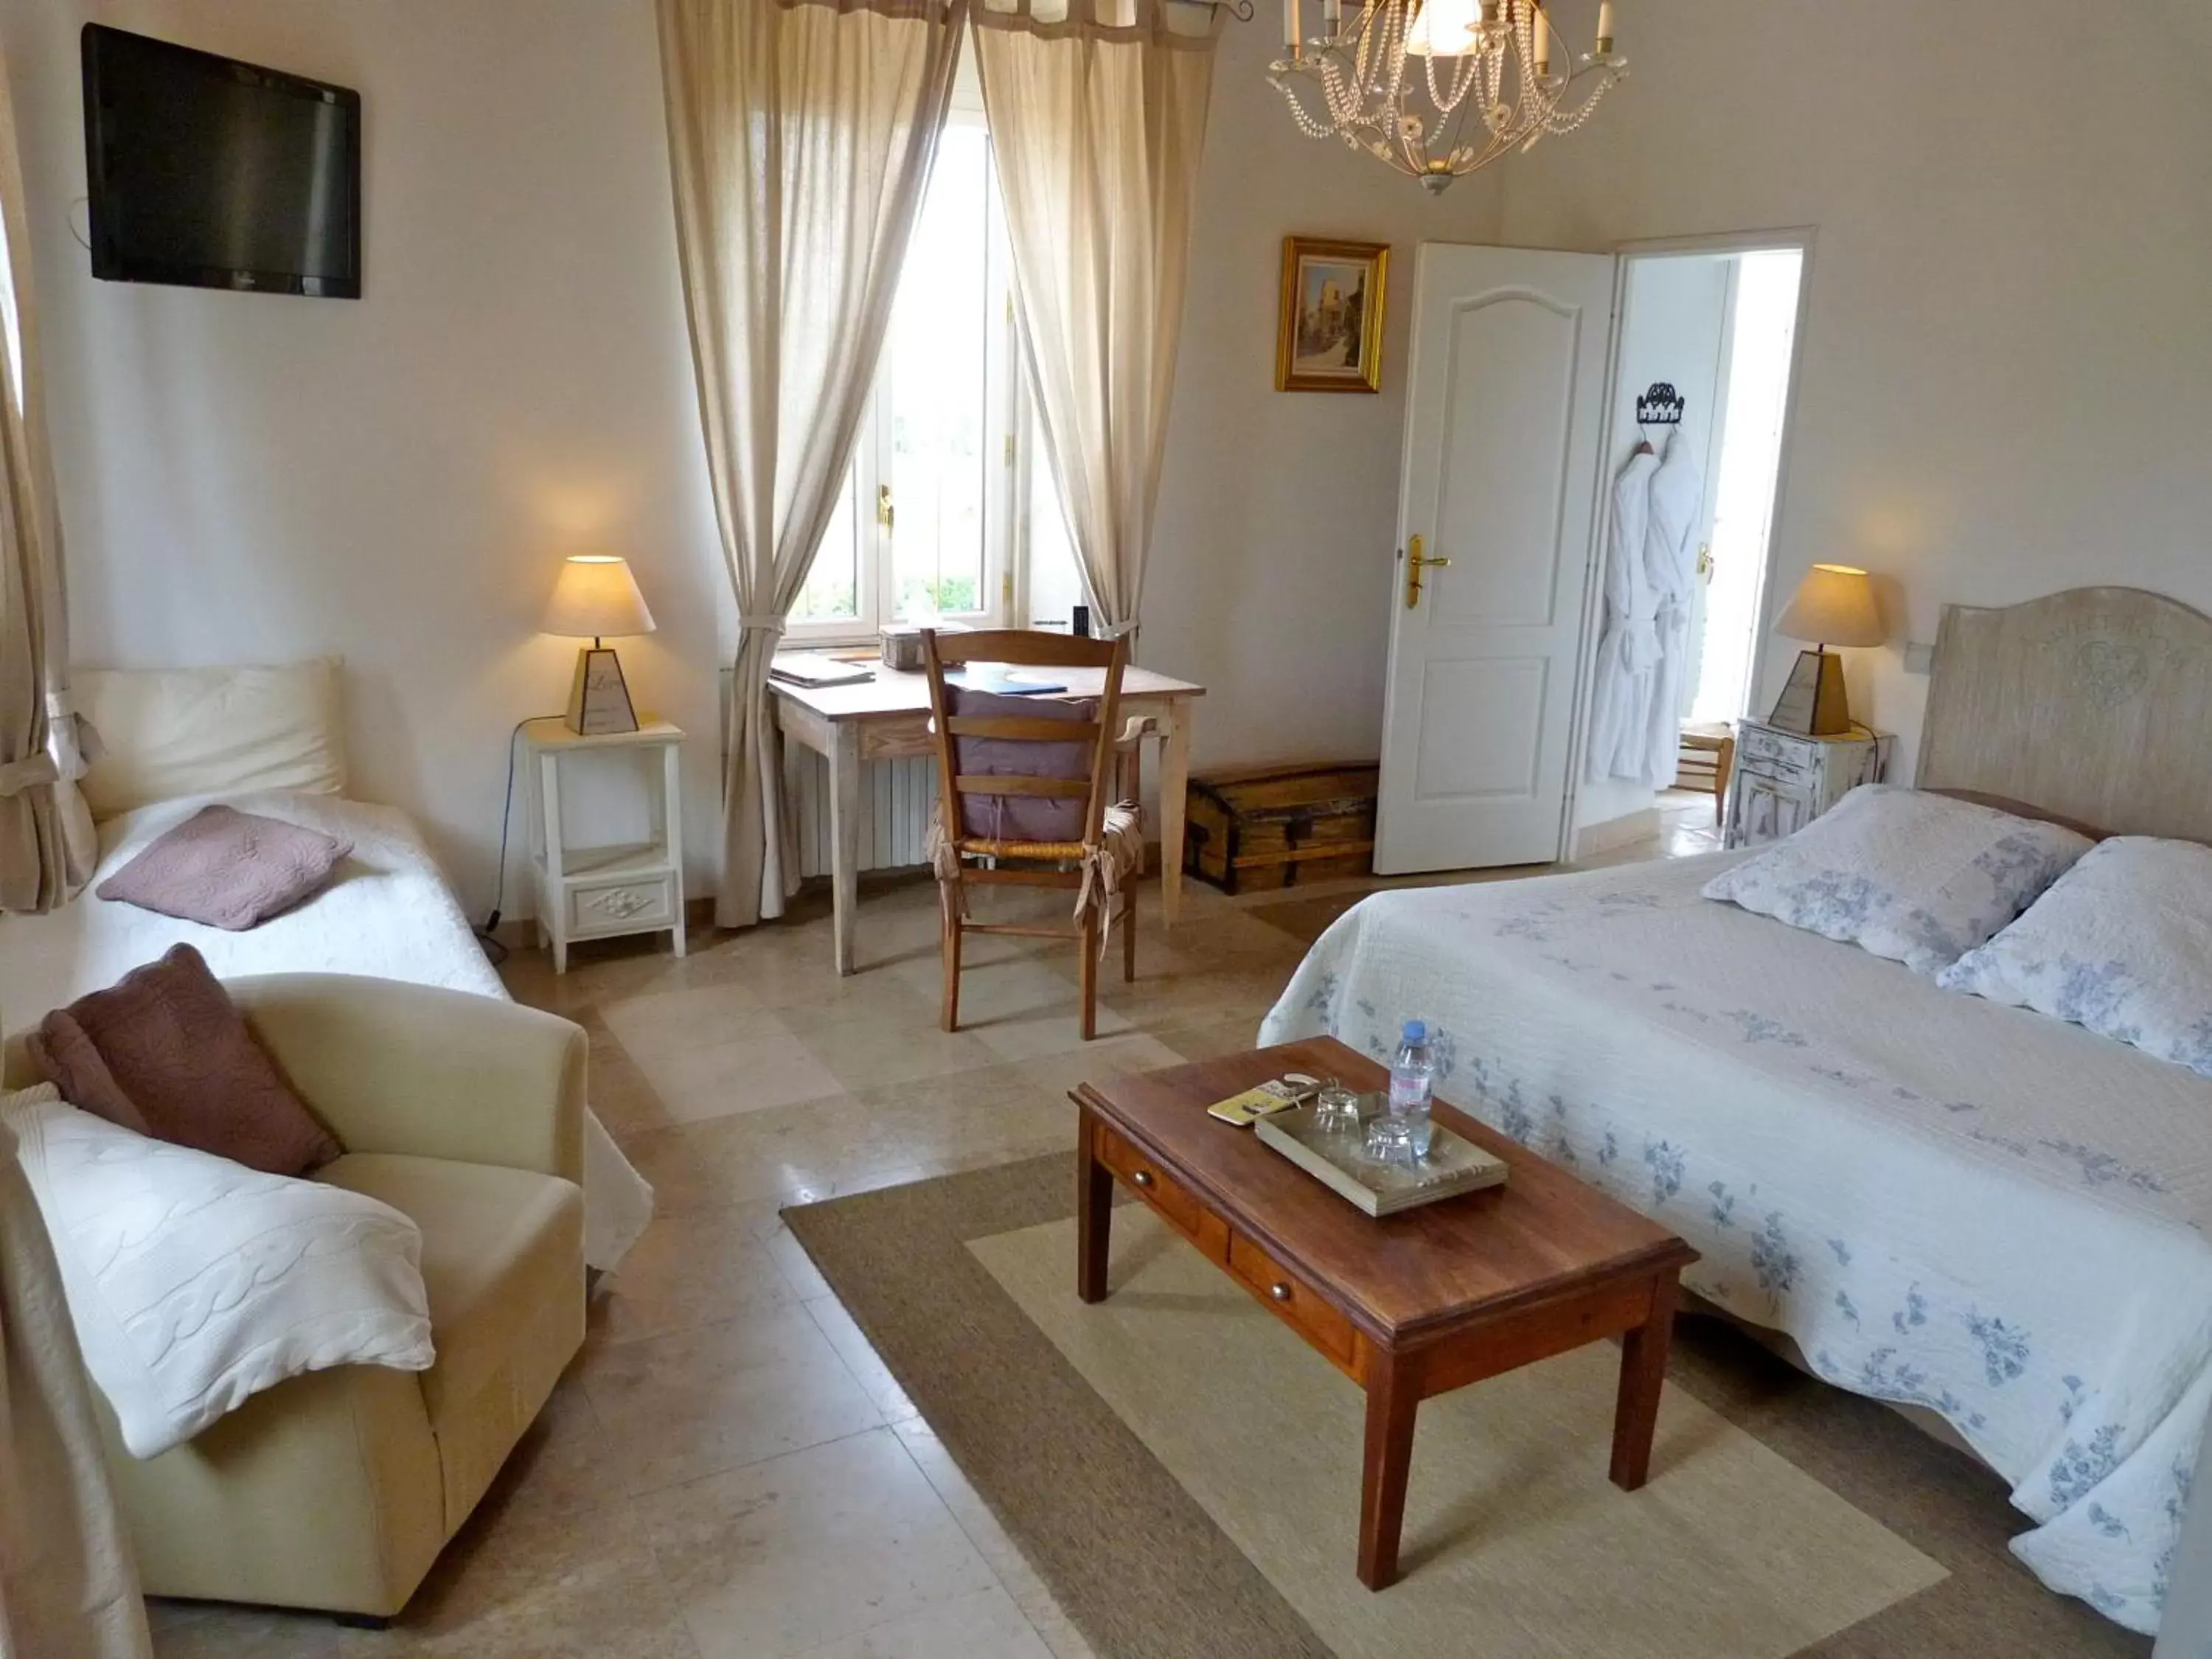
x: 213, y: 174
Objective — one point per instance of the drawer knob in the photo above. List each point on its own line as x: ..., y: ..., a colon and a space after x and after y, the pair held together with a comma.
x: 1143, y: 1178
x: 1279, y: 1290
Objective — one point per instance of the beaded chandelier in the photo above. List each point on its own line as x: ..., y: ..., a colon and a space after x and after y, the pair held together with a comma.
x: 1441, y: 89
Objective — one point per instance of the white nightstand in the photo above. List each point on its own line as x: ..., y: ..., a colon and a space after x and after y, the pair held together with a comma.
x: 1784, y: 780
x: 602, y: 892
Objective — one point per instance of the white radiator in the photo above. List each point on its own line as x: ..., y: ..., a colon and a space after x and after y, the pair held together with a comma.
x: 895, y: 797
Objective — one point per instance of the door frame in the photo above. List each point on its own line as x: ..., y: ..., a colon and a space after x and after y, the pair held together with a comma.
x: 1798, y: 239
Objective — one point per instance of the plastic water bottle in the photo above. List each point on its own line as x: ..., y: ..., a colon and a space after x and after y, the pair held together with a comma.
x: 1412, y: 1079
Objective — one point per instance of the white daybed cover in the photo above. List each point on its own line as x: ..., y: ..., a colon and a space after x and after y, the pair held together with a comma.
x: 1971, y: 1208
x: 387, y: 913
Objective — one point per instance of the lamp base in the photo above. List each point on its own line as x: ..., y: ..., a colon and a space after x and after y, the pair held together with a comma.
x: 1813, y: 704
x: 598, y: 697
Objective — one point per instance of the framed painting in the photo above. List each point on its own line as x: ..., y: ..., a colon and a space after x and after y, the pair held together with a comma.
x: 1329, y: 335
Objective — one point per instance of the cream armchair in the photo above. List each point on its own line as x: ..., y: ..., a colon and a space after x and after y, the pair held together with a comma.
x: 336, y: 1491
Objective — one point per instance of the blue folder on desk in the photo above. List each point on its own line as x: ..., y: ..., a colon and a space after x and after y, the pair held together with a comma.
x: 1003, y: 685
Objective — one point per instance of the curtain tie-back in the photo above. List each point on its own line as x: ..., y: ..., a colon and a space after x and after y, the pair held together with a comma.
x: 71, y: 741
x: 772, y: 625
x: 29, y: 772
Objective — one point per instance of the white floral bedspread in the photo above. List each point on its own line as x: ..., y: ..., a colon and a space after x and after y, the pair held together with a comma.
x: 1972, y: 1208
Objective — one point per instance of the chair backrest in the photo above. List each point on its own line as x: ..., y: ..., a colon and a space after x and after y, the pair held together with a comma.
x: 995, y: 754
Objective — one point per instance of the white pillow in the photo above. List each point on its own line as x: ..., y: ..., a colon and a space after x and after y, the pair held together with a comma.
x: 1919, y: 878
x: 194, y: 1283
x: 167, y: 733
x: 2121, y: 944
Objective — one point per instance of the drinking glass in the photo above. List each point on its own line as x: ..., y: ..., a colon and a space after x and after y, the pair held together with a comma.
x: 1389, y: 1139
x: 1336, y: 1109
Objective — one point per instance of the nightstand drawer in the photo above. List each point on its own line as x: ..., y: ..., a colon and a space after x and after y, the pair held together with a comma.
x: 1757, y: 742
x: 1780, y: 769
x: 626, y: 904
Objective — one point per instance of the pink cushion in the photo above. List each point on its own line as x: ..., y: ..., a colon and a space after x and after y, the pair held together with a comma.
x: 164, y: 1051
x: 228, y: 869
x: 1020, y: 818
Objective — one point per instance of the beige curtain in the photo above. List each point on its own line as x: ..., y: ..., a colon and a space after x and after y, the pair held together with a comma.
x: 800, y: 135
x: 67, y: 1589
x: 47, y: 846
x: 1098, y: 115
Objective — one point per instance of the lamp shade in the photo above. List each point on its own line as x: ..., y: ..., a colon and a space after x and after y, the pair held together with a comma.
x: 597, y: 597
x: 1833, y: 605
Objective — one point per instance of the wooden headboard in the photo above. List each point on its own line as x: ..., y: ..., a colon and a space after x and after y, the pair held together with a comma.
x: 2094, y: 704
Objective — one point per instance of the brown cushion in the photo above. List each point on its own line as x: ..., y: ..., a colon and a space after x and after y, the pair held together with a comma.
x: 228, y: 869
x: 1020, y: 818
x: 164, y: 1051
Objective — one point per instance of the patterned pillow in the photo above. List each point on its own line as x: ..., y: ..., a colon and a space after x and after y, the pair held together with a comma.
x: 229, y: 869
x: 1919, y: 878
x: 2122, y: 945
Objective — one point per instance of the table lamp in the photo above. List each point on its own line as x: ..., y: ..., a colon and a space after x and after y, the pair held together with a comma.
x: 1833, y: 605
x: 596, y: 597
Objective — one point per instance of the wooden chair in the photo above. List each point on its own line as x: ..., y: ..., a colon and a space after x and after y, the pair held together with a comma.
x: 1100, y: 864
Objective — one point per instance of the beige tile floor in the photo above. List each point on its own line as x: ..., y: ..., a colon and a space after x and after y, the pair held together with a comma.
x: 728, y: 1471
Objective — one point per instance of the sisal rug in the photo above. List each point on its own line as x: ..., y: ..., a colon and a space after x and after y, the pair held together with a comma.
x: 1183, y: 1473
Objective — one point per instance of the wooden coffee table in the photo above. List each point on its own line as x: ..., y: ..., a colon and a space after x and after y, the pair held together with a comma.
x: 1408, y: 1306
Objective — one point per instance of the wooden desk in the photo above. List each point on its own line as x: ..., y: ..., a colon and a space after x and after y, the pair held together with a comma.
x: 887, y: 718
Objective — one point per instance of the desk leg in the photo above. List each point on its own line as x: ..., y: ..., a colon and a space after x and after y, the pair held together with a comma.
x: 844, y: 838
x: 1175, y: 783
x: 1392, y: 1399
x: 1642, y: 1369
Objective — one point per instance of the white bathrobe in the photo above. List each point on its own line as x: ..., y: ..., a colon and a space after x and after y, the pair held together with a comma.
x: 1627, y: 653
x: 1676, y: 491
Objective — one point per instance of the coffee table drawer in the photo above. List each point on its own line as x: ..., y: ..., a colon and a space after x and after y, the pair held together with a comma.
x: 1295, y: 1302
x: 1163, y: 1192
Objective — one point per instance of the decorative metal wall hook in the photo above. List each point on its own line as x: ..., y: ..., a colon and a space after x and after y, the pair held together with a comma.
x: 1662, y: 405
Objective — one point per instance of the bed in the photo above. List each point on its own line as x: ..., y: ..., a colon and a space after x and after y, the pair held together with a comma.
x: 1977, y: 1211
x: 386, y: 913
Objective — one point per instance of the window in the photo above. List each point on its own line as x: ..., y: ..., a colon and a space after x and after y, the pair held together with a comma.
x: 949, y: 509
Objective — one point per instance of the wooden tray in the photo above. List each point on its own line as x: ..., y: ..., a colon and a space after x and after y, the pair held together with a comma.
x: 1452, y: 1166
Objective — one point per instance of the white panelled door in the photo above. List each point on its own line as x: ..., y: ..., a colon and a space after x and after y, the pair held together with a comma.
x: 1505, y: 422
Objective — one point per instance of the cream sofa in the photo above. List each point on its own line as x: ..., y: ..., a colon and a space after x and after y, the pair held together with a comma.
x: 336, y: 1491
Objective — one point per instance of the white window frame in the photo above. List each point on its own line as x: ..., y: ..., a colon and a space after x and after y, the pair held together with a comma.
x: 1007, y: 493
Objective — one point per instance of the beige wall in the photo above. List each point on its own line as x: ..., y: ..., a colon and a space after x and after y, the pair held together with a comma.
x: 2004, y: 360
x: 1277, y: 513
x: 259, y: 477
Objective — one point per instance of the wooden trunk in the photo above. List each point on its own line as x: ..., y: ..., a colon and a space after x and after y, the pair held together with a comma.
x: 1277, y: 826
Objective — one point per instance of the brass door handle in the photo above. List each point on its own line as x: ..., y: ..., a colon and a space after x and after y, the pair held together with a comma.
x: 885, y: 512
x: 1414, y: 565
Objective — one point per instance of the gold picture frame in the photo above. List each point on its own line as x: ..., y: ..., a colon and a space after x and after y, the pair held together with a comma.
x: 1328, y: 334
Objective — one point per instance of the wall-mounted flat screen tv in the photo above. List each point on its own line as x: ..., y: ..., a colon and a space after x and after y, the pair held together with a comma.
x: 213, y: 174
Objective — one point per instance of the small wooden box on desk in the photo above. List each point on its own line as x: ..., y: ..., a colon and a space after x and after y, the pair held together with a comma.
x: 604, y: 891
x: 1784, y: 779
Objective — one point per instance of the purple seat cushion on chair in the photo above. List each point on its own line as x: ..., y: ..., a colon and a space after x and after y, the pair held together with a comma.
x: 228, y: 869
x: 1020, y: 818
